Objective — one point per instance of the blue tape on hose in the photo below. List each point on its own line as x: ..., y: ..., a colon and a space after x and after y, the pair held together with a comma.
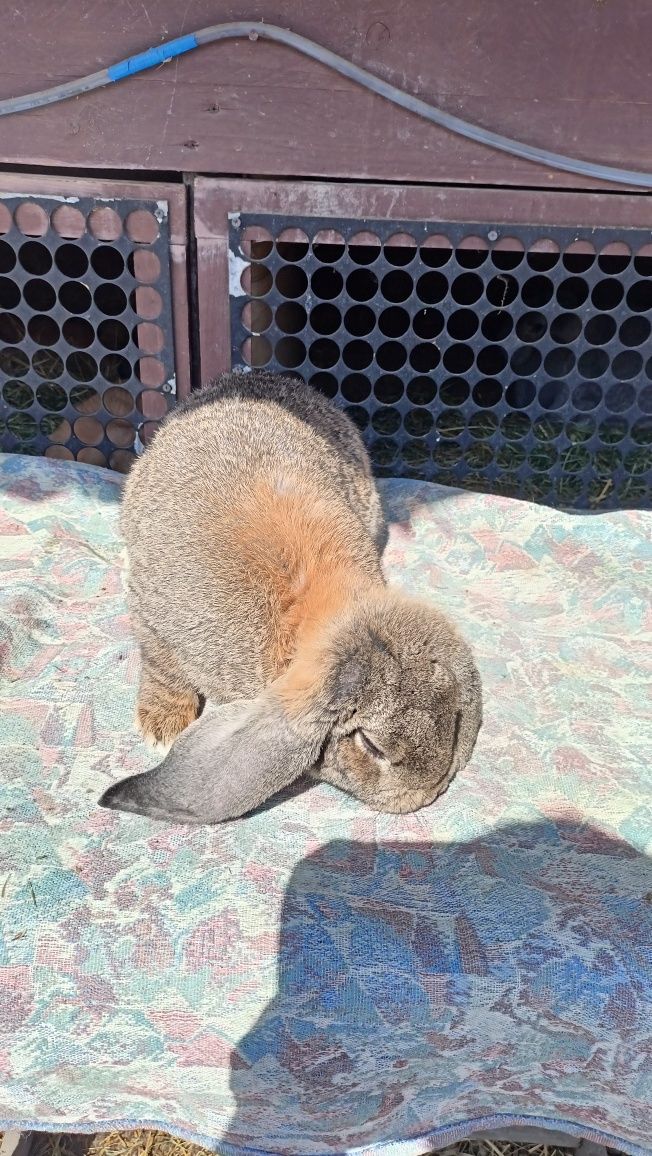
x: 152, y: 56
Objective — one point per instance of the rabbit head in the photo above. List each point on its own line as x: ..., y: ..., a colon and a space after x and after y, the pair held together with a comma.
x: 384, y: 702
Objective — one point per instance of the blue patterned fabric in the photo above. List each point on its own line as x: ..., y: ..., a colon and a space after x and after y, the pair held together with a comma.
x: 316, y: 978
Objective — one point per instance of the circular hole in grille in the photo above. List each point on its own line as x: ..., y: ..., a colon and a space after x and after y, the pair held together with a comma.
x: 553, y: 395
x: 12, y: 328
x: 472, y: 252
x: 291, y: 317
x: 51, y: 396
x: 634, y: 331
x: 520, y: 393
x: 110, y: 300
x: 388, y: 389
x: 324, y: 319
x: 60, y: 453
x: 292, y: 245
x: 458, y: 358
x: 5, y: 219
x: 115, y: 368
x: 146, y: 268
x: 641, y: 431
x: 148, y: 303
x: 487, y: 393
x: 18, y: 394
x: 119, y: 402
x: 39, y: 295
x: 383, y: 451
x: 91, y: 457
x: 515, y: 426
x: 35, y: 258
x: 397, y: 286
x: 393, y: 322
x: 81, y: 366
x: 587, y: 396
x: 151, y: 404
x: 627, y: 365
x: 454, y: 391
x: 400, y: 249
x: 593, y: 363
x: 537, y: 291
x: 645, y: 398
x: 74, y: 297
x: 71, y: 260
x: 492, y: 359
x: 32, y: 219
x: 107, y: 262
x: 328, y: 245
x: 565, y: 328
x: 22, y: 425
x: 613, y: 430
x: 390, y: 356
x: 14, y: 362
x: 496, y: 326
x: 619, y: 397
x: 362, y: 284
x: 255, y: 351
x: 257, y: 316
x: 639, y: 296
x: 358, y: 415
x: 68, y: 222
x: 327, y: 283
x: 112, y: 334
x: 256, y: 242
x: 421, y: 391
x: 600, y: 330
x: 572, y: 293
x: 428, y: 323
x: 7, y: 257
x: 122, y: 461
x: 324, y: 353
x: 467, y: 289
x: 291, y: 281
x: 43, y: 329
x: 142, y: 227
x: 359, y: 320
x: 355, y: 387
x: 531, y: 327
x: 502, y: 290
x: 418, y: 423
x: 507, y: 253
x: 559, y: 362
x: 424, y: 358
x: 431, y: 288
x: 525, y: 360
x: 9, y: 293
x: 55, y: 428
x: 85, y: 399
x: 326, y: 383
x: 89, y: 430
x: 357, y: 354
x: 607, y: 294
x: 462, y: 324
x: 290, y: 352
x: 386, y: 420
x: 120, y: 433
x: 78, y: 332
x: 47, y: 364
x: 105, y: 224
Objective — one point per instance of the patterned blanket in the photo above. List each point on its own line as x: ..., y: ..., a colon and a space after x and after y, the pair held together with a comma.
x: 317, y: 978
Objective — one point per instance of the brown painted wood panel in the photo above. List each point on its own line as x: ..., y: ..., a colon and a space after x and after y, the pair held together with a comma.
x: 215, y: 201
x: 573, y: 77
x: 175, y: 195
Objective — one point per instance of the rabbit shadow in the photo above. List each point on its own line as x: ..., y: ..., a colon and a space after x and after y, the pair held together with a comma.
x: 425, y: 985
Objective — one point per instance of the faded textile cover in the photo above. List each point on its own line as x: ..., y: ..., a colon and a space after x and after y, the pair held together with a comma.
x: 317, y: 978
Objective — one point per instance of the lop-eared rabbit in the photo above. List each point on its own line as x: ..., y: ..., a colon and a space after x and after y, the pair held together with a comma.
x: 254, y: 533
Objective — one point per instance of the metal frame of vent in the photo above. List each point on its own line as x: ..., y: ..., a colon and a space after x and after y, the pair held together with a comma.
x: 547, y: 393
x: 89, y: 358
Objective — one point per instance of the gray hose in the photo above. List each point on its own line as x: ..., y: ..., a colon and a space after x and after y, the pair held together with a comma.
x: 255, y: 30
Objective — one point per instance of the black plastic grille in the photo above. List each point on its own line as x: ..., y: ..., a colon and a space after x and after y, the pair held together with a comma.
x: 504, y: 360
x: 86, y: 351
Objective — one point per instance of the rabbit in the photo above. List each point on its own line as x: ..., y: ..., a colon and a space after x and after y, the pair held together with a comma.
x: 254, y: 534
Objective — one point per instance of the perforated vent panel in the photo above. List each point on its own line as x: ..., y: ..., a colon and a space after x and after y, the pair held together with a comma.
x: 519, y: 363
x: 86, y: 350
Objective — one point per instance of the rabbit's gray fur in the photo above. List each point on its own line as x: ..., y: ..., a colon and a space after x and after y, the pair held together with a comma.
x: 254, y: 533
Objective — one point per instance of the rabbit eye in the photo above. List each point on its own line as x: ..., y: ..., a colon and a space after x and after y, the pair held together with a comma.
x: 370, y: 746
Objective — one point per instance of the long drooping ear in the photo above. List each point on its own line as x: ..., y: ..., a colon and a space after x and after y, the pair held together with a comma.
x: 227, y: 763
x: 469, y: 718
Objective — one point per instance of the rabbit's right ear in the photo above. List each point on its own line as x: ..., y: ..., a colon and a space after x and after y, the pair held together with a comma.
x: 225, y: 764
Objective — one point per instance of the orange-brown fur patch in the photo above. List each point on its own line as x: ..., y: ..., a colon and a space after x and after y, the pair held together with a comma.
x: 312, y: 562
x: 163, y: 717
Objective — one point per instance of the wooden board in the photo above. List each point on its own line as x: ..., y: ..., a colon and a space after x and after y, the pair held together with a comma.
x: 573, y: 77
x: 215, y: 201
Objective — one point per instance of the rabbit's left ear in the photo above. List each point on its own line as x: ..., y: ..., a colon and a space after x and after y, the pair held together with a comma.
x: 225, y: 764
